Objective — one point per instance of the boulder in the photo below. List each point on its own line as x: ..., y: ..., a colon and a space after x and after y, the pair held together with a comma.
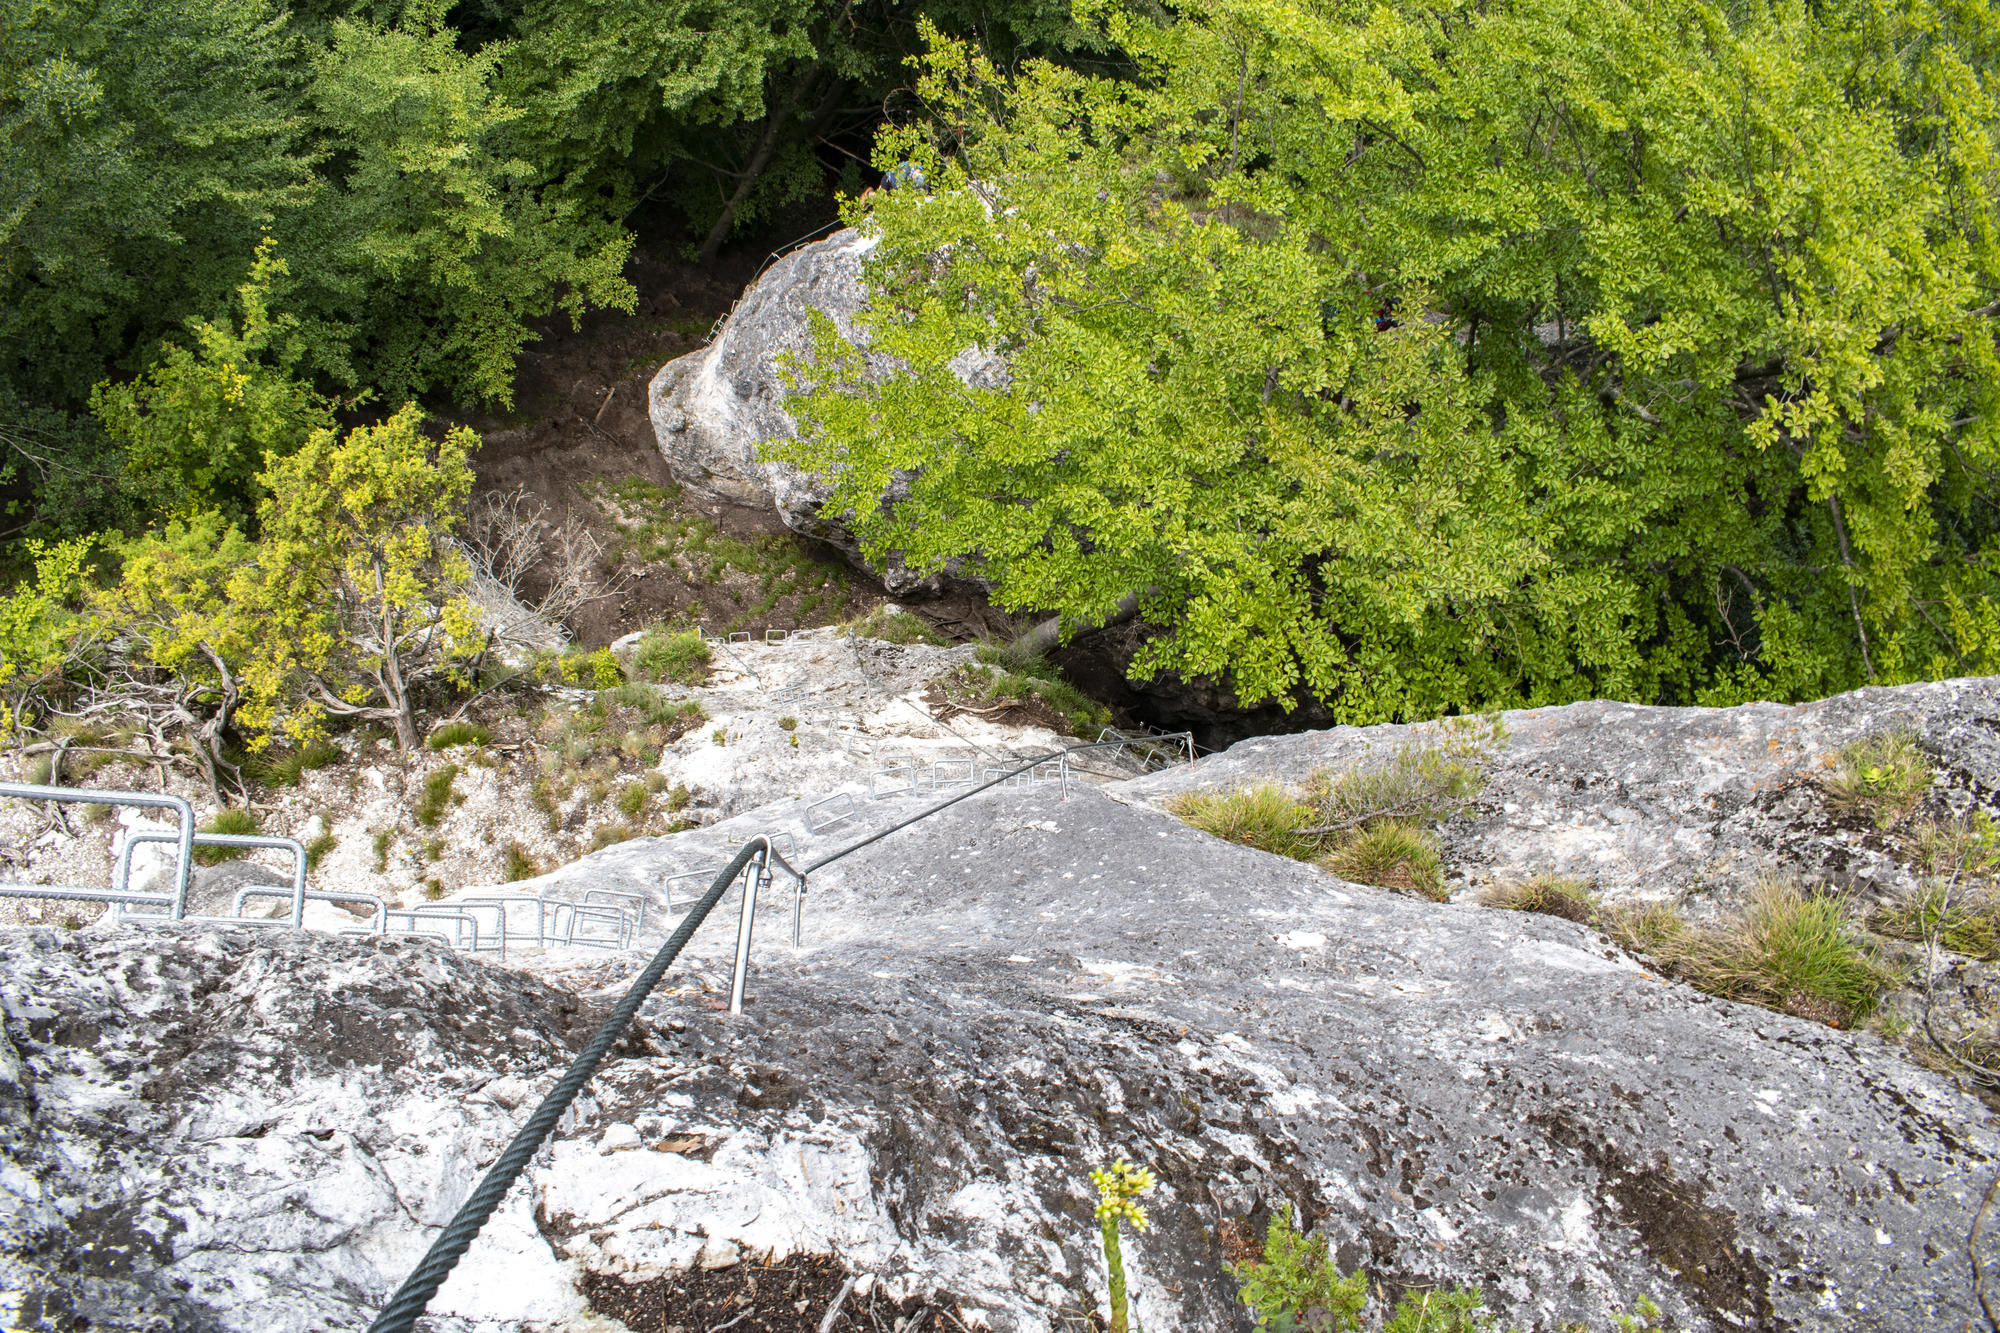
x: 713, y: 409
x: 234, y: 1130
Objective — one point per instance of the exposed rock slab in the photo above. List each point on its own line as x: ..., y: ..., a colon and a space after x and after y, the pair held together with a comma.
x: 1657, y: 802
x: 242, y: 1131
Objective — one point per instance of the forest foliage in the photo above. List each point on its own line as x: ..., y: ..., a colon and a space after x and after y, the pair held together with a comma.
x: 1429, y: 357
x: 1406, y: 358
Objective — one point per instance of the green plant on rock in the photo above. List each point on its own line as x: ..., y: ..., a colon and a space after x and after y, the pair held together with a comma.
x: 1264, y: 817
x: 237, y: 822
x: 453, y: 734
x: 1431, y: 777
x: 1794, y: 951
x: 1117, y: 1188
x: 892, y: 624
x: 1296, y: 1287
x: 320, y: 848
x: 437, y: 796
x: 1390, y: 854
x: 1880, y: 777
x: 1547, y: 895
x: 677, y: 655
x: 517, y: 864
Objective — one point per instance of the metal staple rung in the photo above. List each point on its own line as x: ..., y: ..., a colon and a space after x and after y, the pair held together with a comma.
x: 875, y: 779
x: 839, y: 808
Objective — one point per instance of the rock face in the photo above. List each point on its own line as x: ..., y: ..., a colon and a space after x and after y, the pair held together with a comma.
x: 262, y: 1130
x: 711, y: 409
x: 1659, y: 802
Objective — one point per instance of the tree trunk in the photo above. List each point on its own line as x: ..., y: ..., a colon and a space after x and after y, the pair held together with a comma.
x: 767, y: 148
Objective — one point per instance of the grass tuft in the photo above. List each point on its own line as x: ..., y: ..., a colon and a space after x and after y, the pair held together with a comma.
x: 319, y: 849
x: 1391, y: 855
x: 232, y: 821
x: 518, y: 864
x: 458, y: 733
x: 679, y: 655
x: 1548, y: 895
x: 1796, y: 952
x: 283, y: 766
x: 1264, y: 817
x: 437, y: 794
x: 1880, y: 777
x: 898, y: 627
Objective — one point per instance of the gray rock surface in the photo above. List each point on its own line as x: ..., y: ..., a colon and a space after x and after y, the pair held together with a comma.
x: 713, y: 409
x: 1659, y: 802
x: 263, y: 1129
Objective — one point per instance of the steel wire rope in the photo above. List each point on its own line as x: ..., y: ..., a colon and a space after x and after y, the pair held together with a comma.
x: 410, y: 1299
x: 401, y: 1313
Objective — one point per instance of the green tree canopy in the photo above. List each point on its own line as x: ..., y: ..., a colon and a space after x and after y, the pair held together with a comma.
x: 1419, y: 358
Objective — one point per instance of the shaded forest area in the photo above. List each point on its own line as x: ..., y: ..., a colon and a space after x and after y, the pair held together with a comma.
x: 427, y: 184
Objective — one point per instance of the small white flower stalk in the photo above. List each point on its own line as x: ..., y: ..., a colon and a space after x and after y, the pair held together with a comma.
x: 1116, y: 1190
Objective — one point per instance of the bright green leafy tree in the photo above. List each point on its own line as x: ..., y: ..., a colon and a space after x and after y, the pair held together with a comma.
x: 1419, y: 358
x: 360, y: 590
x: 198, y: 427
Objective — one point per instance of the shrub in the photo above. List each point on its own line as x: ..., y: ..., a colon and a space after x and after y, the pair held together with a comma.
x: 1391, y: 855
x: 1880, y: 777
x: 1296, y: 1285
x: 1264, y: 817
x: 1549, y: 895
x: 1430, y: 778
x: 232, y: 821
x: 678, y: 655
x: 459, y: 733
x: 895, y: 625
x: 598, y: 669
x: 437, y: 796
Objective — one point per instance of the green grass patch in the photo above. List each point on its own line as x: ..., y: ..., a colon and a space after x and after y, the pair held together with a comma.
x: 1796, y: 952
x: 1264, y: 817
x: 1881, y: 778
x: 233, y: 821
x: 381, y: 843
x: 453, y: 734
x: 286, y: 766
x: 677, y: 655
x: 319, y: 848
x: 897, y: 627
x: 632, y: 799
x: 1391, y: 855
x: 608, y: 835
x: 517, y: 864
x: 436, y: 796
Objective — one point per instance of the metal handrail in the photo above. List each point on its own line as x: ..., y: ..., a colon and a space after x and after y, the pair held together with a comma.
x: 175, y: 902
x: 121, y: 877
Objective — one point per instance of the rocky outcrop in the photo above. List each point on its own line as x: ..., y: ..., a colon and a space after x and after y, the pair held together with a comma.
x: 714, y: 409
x: 1693, y: 803
x: 261, y: 1130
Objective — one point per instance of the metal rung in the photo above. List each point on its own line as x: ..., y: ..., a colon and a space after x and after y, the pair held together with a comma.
x: 834, y: 810
x: 950, y: 772
x: 907, y: 772
x: 742, y: 636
